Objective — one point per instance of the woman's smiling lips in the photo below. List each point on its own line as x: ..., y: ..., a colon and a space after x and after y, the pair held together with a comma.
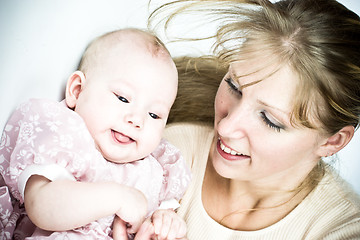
x: 121, y: 138
x: 228, y: 153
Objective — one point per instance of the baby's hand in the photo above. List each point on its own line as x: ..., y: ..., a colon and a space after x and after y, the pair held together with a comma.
x: 146, y: 231
x: 133, y: 209
x: 168, y: 225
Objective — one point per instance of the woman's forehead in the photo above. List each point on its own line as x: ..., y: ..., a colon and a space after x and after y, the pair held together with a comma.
x: 271, y: 86
x: 253, y: 70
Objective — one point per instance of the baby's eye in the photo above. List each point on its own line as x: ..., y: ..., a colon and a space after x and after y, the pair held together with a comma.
x: 123, y: 99
x: 154, y: 116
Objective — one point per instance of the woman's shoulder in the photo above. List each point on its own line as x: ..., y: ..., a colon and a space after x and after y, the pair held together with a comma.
x: 336, y: 206
x: 338, y: 187
x: 188, y: 134
x: 334, y: 186
x: 196, y: 129
x: 193, y: 139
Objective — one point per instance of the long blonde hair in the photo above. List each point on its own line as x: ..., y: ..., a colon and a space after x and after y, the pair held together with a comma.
x: 319, y: 39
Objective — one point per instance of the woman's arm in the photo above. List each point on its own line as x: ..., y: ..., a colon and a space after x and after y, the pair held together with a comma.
x: 62, y: 205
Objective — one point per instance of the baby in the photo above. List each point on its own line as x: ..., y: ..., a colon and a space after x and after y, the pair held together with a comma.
x: 99, y: 153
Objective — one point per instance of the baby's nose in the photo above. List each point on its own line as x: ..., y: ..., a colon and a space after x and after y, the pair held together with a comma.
x: 135, y: 119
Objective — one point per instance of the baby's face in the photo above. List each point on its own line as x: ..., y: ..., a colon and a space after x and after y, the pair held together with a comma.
x: 126, y: 100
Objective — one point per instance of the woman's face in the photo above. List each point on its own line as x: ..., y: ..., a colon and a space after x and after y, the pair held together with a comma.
x: 255, y: 140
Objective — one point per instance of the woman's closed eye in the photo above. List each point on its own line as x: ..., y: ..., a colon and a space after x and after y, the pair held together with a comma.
x: 277, y: 127
x: 233, y: 87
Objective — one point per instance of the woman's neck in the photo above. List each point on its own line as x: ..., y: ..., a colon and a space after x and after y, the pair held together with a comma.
x: 243, y: 205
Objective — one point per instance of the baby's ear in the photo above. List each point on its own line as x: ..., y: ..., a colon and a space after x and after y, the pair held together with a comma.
x: 337, y: 141
x: 73, y: 88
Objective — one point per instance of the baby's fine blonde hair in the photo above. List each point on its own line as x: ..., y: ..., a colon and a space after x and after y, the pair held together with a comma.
x: 146, y: 39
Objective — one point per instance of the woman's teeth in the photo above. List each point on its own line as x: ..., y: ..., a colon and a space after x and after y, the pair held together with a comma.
x: 228, y: 150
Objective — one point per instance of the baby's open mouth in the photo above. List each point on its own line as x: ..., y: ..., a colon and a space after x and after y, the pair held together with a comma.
x: 121, y: 138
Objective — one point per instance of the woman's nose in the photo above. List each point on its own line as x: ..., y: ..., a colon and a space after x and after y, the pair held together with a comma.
x: 233, y: 124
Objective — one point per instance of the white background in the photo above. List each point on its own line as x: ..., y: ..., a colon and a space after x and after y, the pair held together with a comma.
x: 41, y: 42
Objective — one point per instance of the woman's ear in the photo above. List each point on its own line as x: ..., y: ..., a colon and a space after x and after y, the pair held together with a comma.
x: 337, y: 141
x: 73, y: 88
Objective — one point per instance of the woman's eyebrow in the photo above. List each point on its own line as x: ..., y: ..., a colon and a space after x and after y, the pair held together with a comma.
x: 273, y: 107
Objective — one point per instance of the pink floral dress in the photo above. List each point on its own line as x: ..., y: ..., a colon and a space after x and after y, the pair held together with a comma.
x: 46, y: 138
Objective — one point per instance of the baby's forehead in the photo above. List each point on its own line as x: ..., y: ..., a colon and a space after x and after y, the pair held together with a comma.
x: 125, y: 44
x: 136, y: 39
x: 124, y: 38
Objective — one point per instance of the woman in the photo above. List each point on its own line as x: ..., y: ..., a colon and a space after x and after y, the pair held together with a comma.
x: 290, y: 97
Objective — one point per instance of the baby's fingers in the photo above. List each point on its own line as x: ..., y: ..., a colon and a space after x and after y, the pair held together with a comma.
x: 146, y: 231
x: 158, y: 221
x: 177, y: 229
x: 168, y: 225
x: 119, y: 229
x: 134, y: 226
x: 178, y: 232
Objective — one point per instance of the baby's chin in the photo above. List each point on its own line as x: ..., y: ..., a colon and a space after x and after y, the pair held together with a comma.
x: 117, y: 155
x: 122, y: 160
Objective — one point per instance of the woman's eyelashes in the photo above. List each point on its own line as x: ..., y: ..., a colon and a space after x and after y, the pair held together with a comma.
x: 269, y: 123
x: 233, y: 87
